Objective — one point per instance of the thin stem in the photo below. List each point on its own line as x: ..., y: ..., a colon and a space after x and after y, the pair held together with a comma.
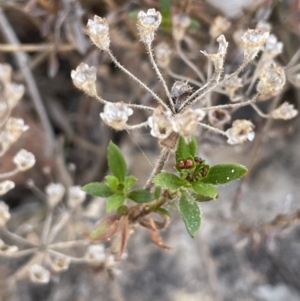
x: 69, y: 244
x: 47, y: 226
x: 35, y: 47
x: 19, y: 239
x: 19, y: 254
x: 73, y: 259
x: 137, y: 126
x: 234, y: 105
x: 136, y: 79
x: 211, y: 128
x: 57, y: 228
x: 9, y: 174
x: 189, y: 62
x: 163, y: 157
x: 259, y: 111
x: 183, y: 78
x: 158, y: 73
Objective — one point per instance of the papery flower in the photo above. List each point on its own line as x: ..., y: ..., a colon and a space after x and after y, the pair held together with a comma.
x: 264, y: 26
x: 75, y: 196
x: 162, y: 54
x: 98, y: 31
x: 95, y: 254
x: 231, y: 85
x: 218, y: 118
x: 84, y: 78
x: 7, y: 249
x: 60, y: 263
x: 15, y: 127
x: 4, y: 214
x: 285, y: 111
x: 179, y: 25
x: 147, y: 24
x: 252, y: 42
x: 219, y: 26
x: 272, y: 79
x: 160, y: 123
x: 39, y: 274
x: 13, y: 93
x: 24, y: 160
x: 5, y: 186
x: 241, y: 131
x: 218, y: 58
x: 185, y: 124
x: 272, y: 48
x: 55, y: 193
x: 116, y: 115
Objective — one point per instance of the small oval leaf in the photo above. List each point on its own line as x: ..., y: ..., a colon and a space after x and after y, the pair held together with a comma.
x: 98, y: 189
x: 185, y: 150
x: 112, y: 181
x: 114, y: 202
x: 141, y: 196
x: 205, y: 189
x: 129, y: 181
x: 190, y: 213
x: 168, y: 180
x: 224, y: 173
x: 116, y: 162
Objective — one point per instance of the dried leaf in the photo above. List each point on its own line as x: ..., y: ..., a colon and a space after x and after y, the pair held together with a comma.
x: 156, y: 238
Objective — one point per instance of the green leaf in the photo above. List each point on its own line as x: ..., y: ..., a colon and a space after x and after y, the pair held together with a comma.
x: 204, y: 189
x: 114, y: 202
x: 168, y: 180
x: 201, y: 198
x: 98, y: 189
x: 163, y: 211
x: 224, y: 173
x: 140, y: 196
x: 116, y: 162
x: 112, y: 181
x: 185, y: 150
x: 190, y: 213
x: 129, y: 181
x: 157, y: 192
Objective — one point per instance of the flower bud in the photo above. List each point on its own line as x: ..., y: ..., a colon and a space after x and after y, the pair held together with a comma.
x: 252, y: 42
x: 5, y: 186
x: 147, y: 24
x: 219, y: 26
x: 24, y: 160
x: 272, y: 79
x: 76, y: 196
x: 162, y: 55
x: 39, y: 274
x: 179, y: 25
x: 84, y: 78
x: 241, y: 131
x: 98, y: 31
x: 4, y: 214
x: 285, y: 111
x: 116, y: 115
x: 55, y: 193
x: 6, y: 249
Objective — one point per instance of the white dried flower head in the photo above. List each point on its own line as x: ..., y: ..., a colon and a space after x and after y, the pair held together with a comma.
x: 75, y: 196
x: 285, y: 111
x: 272, y: 79
x: 60, y: 263
x: 5, y: 73
x: 6, y: 249
x: 24, y: 160
x: 272, y: 48
x: 180, y: 91
x: 218, y: 118
x: 39, y: 274
x: 98, y: 32
x: 84, y: 78
x: 6, y: 141
x: 55, y: 193
x: 241, y: 131
x: 160, y: 123
x: 5, y: 186
x: 162, y: 54
x: 231, y: 85
x: 13, y: 93
x: 15, y: 127
x: 4, y: 214
x: 252, y: 42
x: 95, y: 254
x: 147, y: 24
x: 116, y: 115
x: 219, y: 26
x: 264, y: 26
x: 218, y: 58
x: 179, y: 25
x: 185, y: 124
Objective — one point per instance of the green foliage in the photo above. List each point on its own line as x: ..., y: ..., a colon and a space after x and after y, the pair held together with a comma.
x: 114, y: 202
x: 204, y: 189
x: 168, y: 180
x: 190, y: 213
x: 140, y: 196
x: 186, y: 150
x: 98, y: 189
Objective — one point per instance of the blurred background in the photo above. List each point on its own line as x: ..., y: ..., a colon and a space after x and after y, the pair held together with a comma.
x: 248, y: 247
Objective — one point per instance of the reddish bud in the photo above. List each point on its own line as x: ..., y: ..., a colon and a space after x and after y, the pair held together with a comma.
x: 198, y: 160
x: 204, y: 171
x: 181, y: 164
x: 189, y: 163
